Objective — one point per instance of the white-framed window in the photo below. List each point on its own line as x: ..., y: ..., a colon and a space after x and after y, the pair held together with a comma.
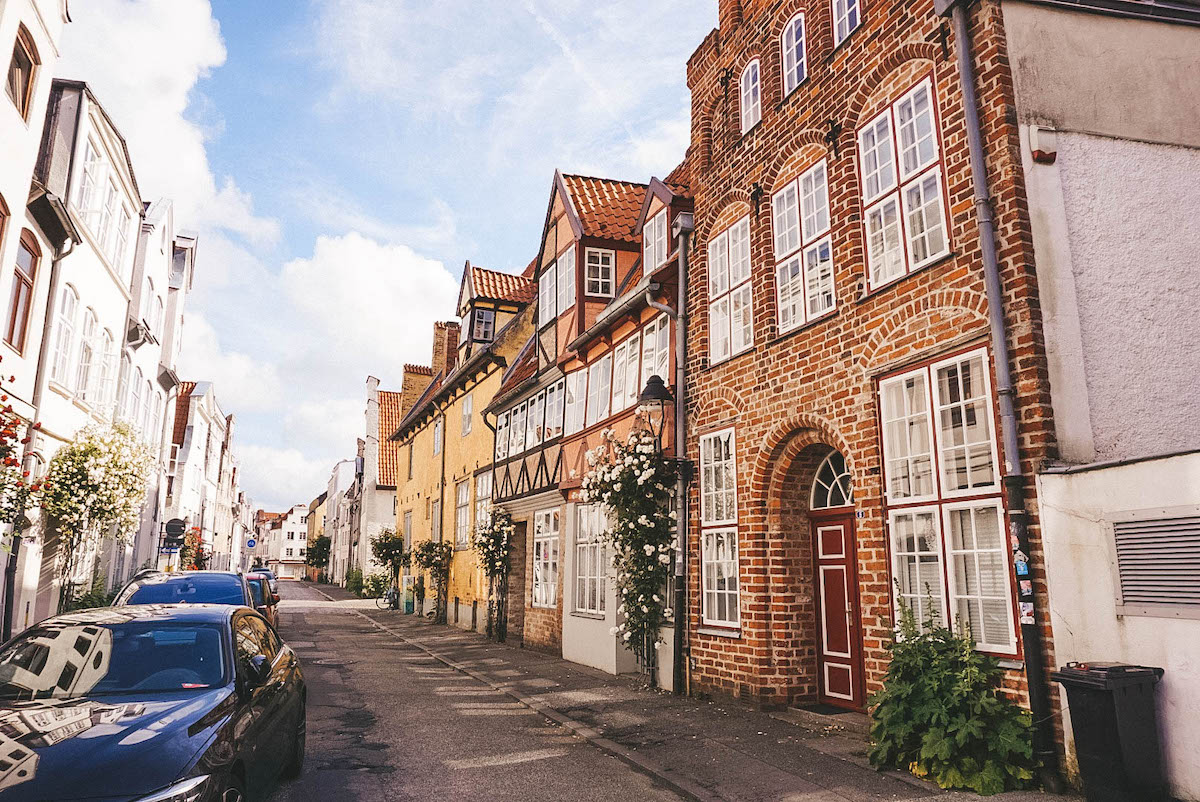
x: 600, y: 268
x: 123, y: 386
x: 516, y: 437
x: 554, y: 410
x: 654, y: 242
x: 846, y: 17
x: 632, y: 389
x: 545, y: 558
x: 576, y: 401
x: 135, y: 397
x: 656, y: 354
x: 104, y: 391
x: 591, y: 559
x: 435, y: 520
x: 718, y: 478
x: 730, y: 301
x: 947, y: 530
x: 599, y: 387
x: 719, y: 574
x: 64, y: 341
x: 547, y: 298
x: 87, y: 357
x: 462, y: 514
x: 803, y: 248
x: 120, y: 240
x: 905, y: 216
x: 290, y: 552
x: 484, y: 328
x: 795, y: 57
x: 439, y: 435
x: 565, y: 269
x: 501, y: 438
x: 407, y: 528
x: 483, y: 498
x: 536, y: 420
x: 90, y: 186
x: 468, y: 412
x: 750, y: 96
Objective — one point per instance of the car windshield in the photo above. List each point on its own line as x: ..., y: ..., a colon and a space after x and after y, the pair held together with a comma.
x: 256, y: 591
x: 65, y: 660
x: 176, y: 588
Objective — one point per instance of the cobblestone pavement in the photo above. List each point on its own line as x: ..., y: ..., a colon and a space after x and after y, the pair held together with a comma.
x: 399, y: 709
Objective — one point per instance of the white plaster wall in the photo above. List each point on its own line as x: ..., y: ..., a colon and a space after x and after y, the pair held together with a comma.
x: 1082, y: 591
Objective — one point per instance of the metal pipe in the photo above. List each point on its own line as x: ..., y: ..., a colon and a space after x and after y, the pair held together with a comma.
x: 684, y: 226
x: 1014, y: 479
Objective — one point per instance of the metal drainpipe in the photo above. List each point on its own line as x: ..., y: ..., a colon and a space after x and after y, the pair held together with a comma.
x: 684, y: 225
x: 1014, y: 479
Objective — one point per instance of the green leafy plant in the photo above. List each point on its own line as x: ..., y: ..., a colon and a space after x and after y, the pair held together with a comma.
x: 492, y: 542
x: 375, y: 585
x: 434, y: 558
x: 939, y: 714
x: 98, y: 595
x: 388, y: 550
x: 354, y: 581
x: 318, y: 552
x: 634, y: 482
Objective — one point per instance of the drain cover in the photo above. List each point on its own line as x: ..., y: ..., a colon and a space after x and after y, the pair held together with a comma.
x: 332, y: 662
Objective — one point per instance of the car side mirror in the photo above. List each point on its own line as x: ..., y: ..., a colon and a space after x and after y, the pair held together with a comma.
x: 260, y: 670
x: 275, y: 598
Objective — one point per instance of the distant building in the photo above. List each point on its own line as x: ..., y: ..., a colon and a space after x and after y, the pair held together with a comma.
x: 316, y: 529
x: 289, y: 543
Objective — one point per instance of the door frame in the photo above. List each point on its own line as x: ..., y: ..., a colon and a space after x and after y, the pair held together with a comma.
x: 843, y: 516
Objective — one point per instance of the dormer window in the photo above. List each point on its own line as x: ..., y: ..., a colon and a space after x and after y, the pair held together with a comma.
x: 484, y: 329
x: 654, y: 242
x: 600, y: 271
x: 795, y: 64
x: 751, y: 96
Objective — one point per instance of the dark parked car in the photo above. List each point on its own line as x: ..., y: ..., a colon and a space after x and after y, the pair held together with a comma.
x: 157, y: 703
x: 192, y: 587
x: 274, y: 583
x: 265, y: 601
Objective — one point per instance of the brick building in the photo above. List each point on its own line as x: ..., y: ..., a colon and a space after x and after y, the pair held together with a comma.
x: 844, y: 413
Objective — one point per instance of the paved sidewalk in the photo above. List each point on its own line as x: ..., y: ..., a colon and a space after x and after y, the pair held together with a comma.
x: 704, y: 750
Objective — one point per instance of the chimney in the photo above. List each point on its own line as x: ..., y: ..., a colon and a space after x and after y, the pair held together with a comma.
x: 416, y: 379
x: 730, y: 16
x: 445, y: 346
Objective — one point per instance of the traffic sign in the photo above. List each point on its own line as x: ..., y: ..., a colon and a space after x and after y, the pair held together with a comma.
x: 250, y: 543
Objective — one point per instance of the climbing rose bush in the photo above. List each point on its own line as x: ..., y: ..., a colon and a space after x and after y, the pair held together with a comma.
x: 634, y: 483
x: 492, y: 540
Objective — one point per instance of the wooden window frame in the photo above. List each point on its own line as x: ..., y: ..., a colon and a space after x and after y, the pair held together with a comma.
x: 24, y: 44
x: 591, y: 560
x: 851, y: 6
x: 750, y: 95
x: 606, y: 274
x: 16, y: 332
x: 547, y: 557
x: 707, y: 560
x: 798, y: 54
x: 462, y: 514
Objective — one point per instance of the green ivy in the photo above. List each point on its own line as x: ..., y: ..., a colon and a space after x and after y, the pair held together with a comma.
x: 375, y: 585
x: 939, y: 714
x: 354, y: 581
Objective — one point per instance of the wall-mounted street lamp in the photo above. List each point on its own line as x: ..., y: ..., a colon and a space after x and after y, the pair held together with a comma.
x: 654, y: 399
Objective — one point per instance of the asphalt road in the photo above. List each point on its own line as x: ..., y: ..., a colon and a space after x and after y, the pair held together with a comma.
x: 388, y: 722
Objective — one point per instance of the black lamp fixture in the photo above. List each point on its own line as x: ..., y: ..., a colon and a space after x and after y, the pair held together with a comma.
x: 655, y: 397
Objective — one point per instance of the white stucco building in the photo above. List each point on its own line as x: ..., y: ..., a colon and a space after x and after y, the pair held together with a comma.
x: 289, y: 543
x: 373, y: 496
x: 337, y: 518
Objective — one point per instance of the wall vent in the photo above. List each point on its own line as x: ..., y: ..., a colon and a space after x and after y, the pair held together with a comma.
x: 1157, y: 562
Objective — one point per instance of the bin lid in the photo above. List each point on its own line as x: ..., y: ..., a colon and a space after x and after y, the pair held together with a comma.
x: 1106, y: 675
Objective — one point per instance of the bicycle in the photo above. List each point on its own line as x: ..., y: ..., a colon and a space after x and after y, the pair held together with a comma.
x: 390, y: 600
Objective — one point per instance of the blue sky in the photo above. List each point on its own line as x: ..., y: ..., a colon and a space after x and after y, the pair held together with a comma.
x: 342, y: 158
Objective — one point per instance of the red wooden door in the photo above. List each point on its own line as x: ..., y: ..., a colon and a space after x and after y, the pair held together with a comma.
x: 839, y: 639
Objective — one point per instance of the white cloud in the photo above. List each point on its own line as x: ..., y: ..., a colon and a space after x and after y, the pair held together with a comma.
x: 143, y: 59
x: 282, y: 476
x: 242, y: 382
x: 328, y: 425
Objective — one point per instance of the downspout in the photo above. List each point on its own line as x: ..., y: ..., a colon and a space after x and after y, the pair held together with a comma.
x: 684, y: 226
x: 1014, y: 479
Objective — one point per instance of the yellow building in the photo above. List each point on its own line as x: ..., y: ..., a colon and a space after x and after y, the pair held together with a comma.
x: 316, y: 528
x: 444, y: 481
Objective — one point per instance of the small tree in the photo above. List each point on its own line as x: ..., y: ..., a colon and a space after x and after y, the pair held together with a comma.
x: 388, y: 550
x: 318, y: 555
x: 435, y: 559
x: 493, y: 542
x: 96, y: 484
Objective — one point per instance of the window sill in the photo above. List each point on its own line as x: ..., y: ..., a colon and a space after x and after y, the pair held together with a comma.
x: 825, y: 316
x: 835, y: 52
x: 730, y: 358
x: 591, y: 616
x: 715, y: 631
x: 544, y: 606
x: 61, y: 390
x: 873, y: 291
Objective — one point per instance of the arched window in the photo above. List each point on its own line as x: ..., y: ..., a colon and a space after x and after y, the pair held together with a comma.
x: 21, y: 71
x: 148, y: 413
x: 135, y: 398
x: 64, y: 343
x: 87, y: 357
x: 104, y: 391
x: 730, y: 297
x: 751, y: 96
x: 795, y: 57
x: 831, y: 487
x: 123, y: 387
x: 28, y: 256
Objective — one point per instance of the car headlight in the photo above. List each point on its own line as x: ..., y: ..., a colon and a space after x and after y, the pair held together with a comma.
x: 189, y: 790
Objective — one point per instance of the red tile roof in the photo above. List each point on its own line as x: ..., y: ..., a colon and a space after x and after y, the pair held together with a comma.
x: 502, y: 286
x: 680, y: 179
x: 530, y: 268
x: 390, y: 415
x: 524, y: 366
x: 607, y: 208
x: 182, y: 405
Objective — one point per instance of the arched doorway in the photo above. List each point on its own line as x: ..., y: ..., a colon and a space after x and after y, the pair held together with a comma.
x: 835, y: 576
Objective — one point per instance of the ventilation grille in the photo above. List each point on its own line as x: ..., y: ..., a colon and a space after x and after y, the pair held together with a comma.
x: 1158, y: 565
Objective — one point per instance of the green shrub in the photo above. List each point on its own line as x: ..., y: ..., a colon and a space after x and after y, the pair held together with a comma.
x: 375, y: 585
x: 354, y: 581
x: 939, y: 715
x: 98, y: 595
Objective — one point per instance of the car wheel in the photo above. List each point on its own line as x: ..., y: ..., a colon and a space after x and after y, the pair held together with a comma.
x: 234, y: 791
x: 295, y: 762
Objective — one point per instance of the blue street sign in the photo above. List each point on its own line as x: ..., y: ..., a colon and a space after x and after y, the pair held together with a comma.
x: 250, y: 543
x: 166, y: 550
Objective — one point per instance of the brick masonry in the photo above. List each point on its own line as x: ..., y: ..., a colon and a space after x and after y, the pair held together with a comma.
x: 794, y: 396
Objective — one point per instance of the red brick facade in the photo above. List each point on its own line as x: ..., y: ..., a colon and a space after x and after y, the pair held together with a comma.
x: 792, y: 397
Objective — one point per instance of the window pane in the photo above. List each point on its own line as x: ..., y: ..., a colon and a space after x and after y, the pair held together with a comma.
x: 790, y: 289
x: 964, y: 425
x: 794, y: 65
x: 739, y: 252
x: 785, y: 218
x: 906, y: 448
x: 875, y: 153
x: 980, y: 569
x: 818, y: 269
x: 923, y: 216
x: 884, y: 251
x: 718, y: 265
x: 718, y: 330
x: 914, y: 118
x: 741, y: 319
x: 814, y: 196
